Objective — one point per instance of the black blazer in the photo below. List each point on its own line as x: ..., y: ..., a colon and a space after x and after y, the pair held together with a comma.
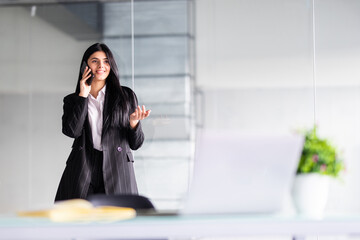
x: 118, y: 169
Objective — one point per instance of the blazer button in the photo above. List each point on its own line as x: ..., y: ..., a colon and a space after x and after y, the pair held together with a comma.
x: 119, y: 149
x: 80, y: 148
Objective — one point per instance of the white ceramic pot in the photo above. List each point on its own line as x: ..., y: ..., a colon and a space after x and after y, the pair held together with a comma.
x: 310, y: 194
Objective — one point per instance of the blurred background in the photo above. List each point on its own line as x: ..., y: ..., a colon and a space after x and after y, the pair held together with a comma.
x: 248, y: 65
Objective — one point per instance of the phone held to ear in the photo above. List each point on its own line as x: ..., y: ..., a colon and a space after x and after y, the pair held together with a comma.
x: 90, y: 79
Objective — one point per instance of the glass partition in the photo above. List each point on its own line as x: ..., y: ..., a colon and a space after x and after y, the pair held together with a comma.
x: 164, y: 81
x: 338, y: 93
x: 254, y: 64
x: 42, y: 46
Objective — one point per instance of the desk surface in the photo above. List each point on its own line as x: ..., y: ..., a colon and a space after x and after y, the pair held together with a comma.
x: 12, y: 227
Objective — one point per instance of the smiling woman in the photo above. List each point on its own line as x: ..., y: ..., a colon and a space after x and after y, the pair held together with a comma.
x: 104, y: 120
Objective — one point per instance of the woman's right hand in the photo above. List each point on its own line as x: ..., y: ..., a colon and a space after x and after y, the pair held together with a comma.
x: 84, y: 88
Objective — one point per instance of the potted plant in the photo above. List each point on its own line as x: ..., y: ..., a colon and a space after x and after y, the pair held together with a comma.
x: 318, y: 164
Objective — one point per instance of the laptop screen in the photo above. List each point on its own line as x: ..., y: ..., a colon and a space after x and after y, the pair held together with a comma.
x: 237, y: 173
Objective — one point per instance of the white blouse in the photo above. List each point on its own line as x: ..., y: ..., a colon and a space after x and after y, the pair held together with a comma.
x: 95, y: 114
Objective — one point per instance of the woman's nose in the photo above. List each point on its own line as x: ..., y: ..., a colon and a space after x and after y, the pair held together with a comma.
x: 101, y: 65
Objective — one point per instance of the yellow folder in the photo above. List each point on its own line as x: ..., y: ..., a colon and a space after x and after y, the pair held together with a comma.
x: 81, y: 210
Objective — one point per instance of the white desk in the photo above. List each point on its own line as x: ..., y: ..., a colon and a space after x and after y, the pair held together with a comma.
x: 12, y: 227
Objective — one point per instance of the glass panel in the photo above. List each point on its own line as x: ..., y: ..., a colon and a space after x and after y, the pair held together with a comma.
x: 42, y: 47
x: 338, y: 93
x: 164, y: 79
x: 117, y: 35
x: 254, y: 65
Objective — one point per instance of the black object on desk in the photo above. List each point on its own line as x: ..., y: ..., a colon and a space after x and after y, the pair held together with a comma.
x: 137, y: 202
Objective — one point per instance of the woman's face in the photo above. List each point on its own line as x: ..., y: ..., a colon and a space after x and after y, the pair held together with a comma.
x: 99, y: 65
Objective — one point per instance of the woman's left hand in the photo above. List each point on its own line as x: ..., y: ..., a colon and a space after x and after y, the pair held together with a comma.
x: 139, y: 114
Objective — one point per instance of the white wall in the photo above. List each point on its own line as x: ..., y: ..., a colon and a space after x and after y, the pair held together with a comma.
x: 255, y: 65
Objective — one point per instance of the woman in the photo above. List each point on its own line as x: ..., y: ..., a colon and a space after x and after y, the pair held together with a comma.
x: 104, y: 120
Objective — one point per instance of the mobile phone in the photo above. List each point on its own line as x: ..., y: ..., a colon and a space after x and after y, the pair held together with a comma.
x: 83, y: 67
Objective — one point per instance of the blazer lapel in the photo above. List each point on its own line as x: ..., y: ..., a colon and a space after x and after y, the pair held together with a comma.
x: 88, y: 131
x: 106, y: 119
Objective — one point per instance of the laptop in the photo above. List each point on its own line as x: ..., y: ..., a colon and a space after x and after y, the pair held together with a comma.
x: 237, y: 173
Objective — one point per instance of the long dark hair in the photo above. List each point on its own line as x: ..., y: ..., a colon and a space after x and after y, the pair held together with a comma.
x: 118, y: 102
